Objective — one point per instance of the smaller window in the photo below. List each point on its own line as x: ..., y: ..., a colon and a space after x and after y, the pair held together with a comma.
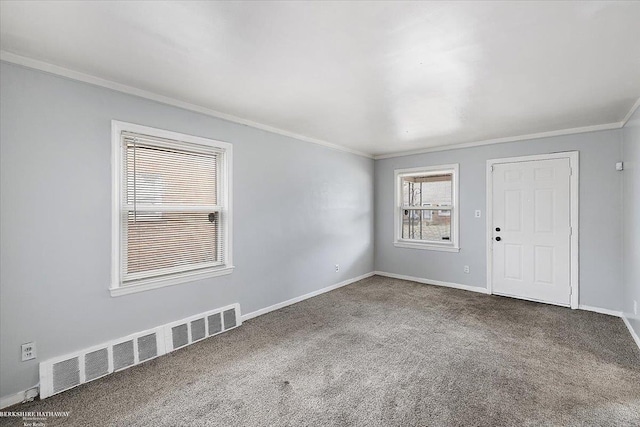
x: 426, y: 211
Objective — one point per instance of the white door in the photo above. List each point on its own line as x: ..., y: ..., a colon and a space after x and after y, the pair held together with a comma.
x: 531, y: 230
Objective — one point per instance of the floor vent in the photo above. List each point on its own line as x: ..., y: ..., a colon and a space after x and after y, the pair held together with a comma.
x: 65, y: 372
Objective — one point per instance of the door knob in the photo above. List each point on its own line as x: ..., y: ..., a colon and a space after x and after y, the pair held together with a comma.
x: 498, y: 239
x: 497, y: 228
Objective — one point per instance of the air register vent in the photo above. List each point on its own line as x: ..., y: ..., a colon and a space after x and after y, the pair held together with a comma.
x: 123, y: 355
x: 229, y: 319
x: 198, y: 331
x: 147, y: 347
x: 187, y: 331
x: 180, y: 335
x: 96, y: 364
x: 66, y: 374
x: 215, y: 324
x: 62, y: 373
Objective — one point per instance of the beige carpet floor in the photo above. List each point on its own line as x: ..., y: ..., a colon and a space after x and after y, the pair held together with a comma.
x: 381, y: 352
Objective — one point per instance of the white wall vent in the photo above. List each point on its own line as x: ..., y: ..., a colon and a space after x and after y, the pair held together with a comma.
x: 179, y: 336
x: 229, y: 319
x: 65, y: 372
x: 198, y: 331
x: 147, y: 347
x: 123, y: 355
x: 214, y: 324
x: 96, y: 364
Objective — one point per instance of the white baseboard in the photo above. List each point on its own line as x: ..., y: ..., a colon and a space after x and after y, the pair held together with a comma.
x: 14, y: 399
x: 303, y: 297
x: 433, y: 282
x: 19, y: 397
x: 600, y: 310
x: 633, y: 333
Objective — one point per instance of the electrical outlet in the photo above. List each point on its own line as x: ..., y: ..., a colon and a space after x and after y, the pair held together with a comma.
x: 466, y: 269
x: 28, y: 351
x: 337, y: 267
x: 635, y: 307
x: 478, y: 213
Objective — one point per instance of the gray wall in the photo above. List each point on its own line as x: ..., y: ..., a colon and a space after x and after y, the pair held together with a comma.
x: 631, y: 221
x: 600, y: 214
x: 299, y: 208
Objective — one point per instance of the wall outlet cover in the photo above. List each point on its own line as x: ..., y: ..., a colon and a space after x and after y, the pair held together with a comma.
x: 28, y: 351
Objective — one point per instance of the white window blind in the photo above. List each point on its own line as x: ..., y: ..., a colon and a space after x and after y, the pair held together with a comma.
x: 171, y: 217
x: 172, y: 208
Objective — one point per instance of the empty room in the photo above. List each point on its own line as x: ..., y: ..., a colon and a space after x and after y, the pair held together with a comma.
x: 319, y: 213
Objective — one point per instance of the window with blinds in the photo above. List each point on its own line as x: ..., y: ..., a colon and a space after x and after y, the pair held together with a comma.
x: 426, y: 208
x: 172, y: 207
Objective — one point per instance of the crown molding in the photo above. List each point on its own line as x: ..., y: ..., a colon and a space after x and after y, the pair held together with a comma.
x: 130, y: 90
x: 630, y: 113
x: 571, y: 131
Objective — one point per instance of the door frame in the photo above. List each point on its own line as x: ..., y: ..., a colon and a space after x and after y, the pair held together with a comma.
x: 574, y: 179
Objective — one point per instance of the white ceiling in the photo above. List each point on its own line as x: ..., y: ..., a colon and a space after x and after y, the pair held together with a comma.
x: 377, y: 77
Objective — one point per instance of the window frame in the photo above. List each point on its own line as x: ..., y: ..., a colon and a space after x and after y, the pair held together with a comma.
x: 454, y: 244
x: 225, y: 156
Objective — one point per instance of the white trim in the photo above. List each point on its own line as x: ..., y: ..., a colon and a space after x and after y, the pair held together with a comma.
x: 11, y: 400
x: 97, y: 81
x: 600, y: 310
x: 433, y: 282
x: 291, y: 301
x: 225, y: 188
x: 20, y: 397
x: 425, y: 246
x: 635, y: 336
x: 561, y: 132
x: 633, y: 109
x: 454, y: 244
x: 174, y: 279
x: 574, y: 164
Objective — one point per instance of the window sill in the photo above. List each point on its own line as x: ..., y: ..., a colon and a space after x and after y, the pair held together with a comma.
x: 426, y: 247
x: 161, y: 282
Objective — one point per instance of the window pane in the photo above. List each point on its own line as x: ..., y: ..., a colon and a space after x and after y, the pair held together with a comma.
x: 428, y: 190
x: 430, y: 225
x: 159, y: 240
x: 160, y: 176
